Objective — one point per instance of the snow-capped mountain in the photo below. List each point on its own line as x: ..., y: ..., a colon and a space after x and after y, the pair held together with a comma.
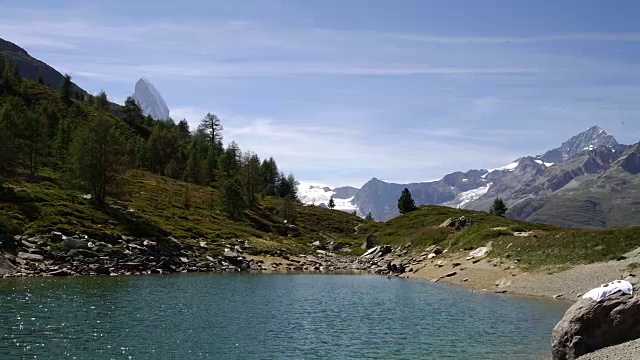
x: 317, y: 194
x: 150, y: 100
x: 519, y: 183
x: 589, y: 139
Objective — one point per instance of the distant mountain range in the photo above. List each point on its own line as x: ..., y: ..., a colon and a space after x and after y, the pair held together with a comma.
x: 589, y: 181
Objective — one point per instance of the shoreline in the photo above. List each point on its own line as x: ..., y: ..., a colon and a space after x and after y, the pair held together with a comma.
x: 34, y: 257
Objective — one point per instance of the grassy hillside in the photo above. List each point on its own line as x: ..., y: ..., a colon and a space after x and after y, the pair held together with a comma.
x: 546, y: 245
x: 155, y: 206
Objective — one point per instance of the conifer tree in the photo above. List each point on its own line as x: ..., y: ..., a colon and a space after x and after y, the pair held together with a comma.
x: 332, y: 204
x: 132, y: 111
x: 405, y: 202
x: 251, y: 177
x: 498, y: 208
x: 232, y: 199
x: 65, y: 88
x: 102, y: 101
x: 100, y: 157
x: 212, y: 126
x: 369, y: 217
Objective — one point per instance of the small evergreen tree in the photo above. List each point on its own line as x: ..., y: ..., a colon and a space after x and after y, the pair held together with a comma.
x: 332, y: 204
x: 102, y: 101
x: 498, y: 208
x: 287, y: 210
x: 232, y: 199
x: 405, y: 202
x: 369, y: 217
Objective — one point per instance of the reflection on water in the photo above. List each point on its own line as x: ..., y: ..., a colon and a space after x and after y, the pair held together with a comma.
x: 266, y: 316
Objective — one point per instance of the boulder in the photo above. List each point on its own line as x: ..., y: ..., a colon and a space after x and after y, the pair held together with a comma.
x: 149, y: 244
x: 30, y: 257
x: 71, y: 243
x: 590, y: 325
x: 457, y: 224
x: 369, y: 242
x: 481, y: 251
x: 61, y: 272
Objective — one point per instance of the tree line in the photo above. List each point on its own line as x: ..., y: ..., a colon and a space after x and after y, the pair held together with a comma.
x: 93, y: 142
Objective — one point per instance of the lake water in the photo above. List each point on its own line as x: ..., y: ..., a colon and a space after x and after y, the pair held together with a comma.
x: 266, y: 317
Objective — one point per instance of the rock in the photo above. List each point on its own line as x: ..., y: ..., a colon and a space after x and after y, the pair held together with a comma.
x: 456, y: 264
x: 589, y: 325
x: 440, y: 263
x: 457, y: 224
x: 465, y: 280
x: 504, y: 282
x: 30, y: 257
x: 500, y: 291
x: 61, y: 272
x: 557, y: 296
x: 6, y: 267
x: 71, y: 243
x: 377, y: 251
x: 55, y: 235
x: 450, y: 274
x: 481, y: 251
x: 149, y: 244
x: 369, y: 242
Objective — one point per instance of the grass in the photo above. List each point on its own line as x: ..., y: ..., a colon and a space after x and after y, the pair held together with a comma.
x: 548, y: 245
x: 154, y: 206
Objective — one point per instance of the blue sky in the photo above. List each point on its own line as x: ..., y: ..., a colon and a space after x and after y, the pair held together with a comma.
x: 342, y: 91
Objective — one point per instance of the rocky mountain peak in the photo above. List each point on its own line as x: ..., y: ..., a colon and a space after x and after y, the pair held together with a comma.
x: 150, y: 100
x: 589, y: 139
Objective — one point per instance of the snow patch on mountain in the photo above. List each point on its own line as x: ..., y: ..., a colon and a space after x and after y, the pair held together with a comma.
x: 468, y: 196
x: 316, y: 194
x: 547, y: 164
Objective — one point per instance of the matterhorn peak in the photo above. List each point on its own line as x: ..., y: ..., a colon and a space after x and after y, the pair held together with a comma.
x: 150, y: 100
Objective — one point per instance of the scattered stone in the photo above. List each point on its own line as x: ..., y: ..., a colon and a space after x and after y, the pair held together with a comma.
x: 504, y: 282
x: 481, y: 251
x: 500, y: 291
x: 450, y: 274
x: 465, y: 280
x: 557, y: 296
x: 456, y: 224
x: 456, y: 264
x: 149, y: 244
x: 61, y: 272
x: 72, y: 243
x: 30, y: 257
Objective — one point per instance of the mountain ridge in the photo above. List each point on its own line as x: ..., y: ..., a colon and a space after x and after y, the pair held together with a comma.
x: 578, y: 159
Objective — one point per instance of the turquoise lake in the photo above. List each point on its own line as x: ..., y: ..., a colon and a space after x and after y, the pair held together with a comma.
x: 244, y: 316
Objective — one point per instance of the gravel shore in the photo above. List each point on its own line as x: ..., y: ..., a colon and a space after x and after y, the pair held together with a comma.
x: 626, y: 351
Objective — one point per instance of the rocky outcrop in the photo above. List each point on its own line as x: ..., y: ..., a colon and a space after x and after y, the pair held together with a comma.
x: 456, y: 224
x: 589, y: 325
